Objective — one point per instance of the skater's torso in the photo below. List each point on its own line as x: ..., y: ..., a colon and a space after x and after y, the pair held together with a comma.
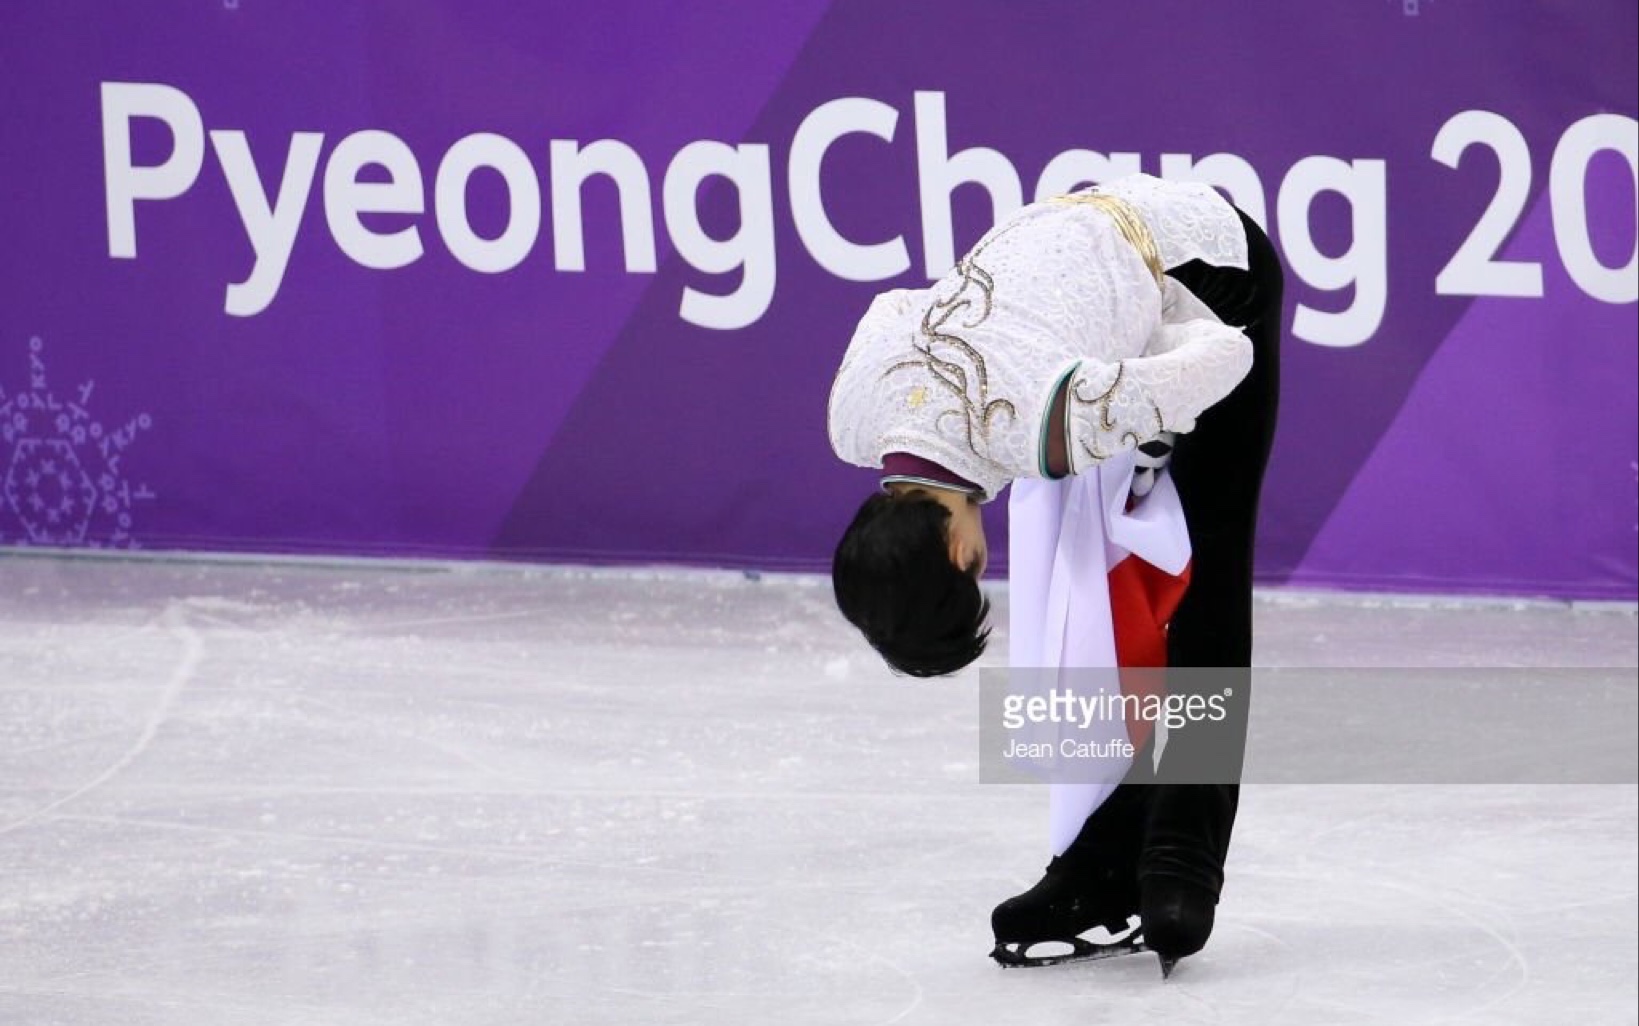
x: 963, y: 373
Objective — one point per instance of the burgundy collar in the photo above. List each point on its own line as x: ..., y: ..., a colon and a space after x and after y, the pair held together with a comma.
x: 902, y: 466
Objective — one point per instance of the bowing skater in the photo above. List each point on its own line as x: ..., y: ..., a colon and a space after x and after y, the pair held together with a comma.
x: 1112, y: 354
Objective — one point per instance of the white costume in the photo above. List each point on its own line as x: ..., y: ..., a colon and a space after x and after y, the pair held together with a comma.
x: 964, y: 374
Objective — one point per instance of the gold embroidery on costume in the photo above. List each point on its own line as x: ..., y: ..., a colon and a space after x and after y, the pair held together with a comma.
x: 1128, y: 222
x: 953, y: 363
x: 1106, y: 422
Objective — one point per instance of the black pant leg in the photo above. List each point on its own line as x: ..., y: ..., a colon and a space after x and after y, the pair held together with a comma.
x: 1218, y: 469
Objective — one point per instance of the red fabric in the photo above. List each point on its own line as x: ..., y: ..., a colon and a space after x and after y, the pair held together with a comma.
x: 1142, y: 601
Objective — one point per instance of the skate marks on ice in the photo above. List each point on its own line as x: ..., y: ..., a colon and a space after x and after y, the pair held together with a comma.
x: 392, y: 838
x: 1445, y: 904
x: 1358, y: 930
x: 174, y: 621
x: 462, y: 799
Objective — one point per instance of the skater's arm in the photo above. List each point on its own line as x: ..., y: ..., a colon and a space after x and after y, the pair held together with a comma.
x: 1178, y: 306
x: 1104, y: 409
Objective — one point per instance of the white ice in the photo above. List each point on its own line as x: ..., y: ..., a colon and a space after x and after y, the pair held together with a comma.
x: 237, y: 793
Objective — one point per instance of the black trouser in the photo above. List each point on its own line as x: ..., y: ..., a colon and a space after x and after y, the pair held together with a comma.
x: 1182, y: 829
x: 1218, y: 469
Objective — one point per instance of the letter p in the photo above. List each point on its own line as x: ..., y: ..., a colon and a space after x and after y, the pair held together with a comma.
x: 126, y: 183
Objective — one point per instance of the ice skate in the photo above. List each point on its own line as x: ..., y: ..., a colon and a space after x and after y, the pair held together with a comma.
x: 1067, y: 902
x: 1093, y: 886
x: 1177, y: 919
x: 1182, y: 870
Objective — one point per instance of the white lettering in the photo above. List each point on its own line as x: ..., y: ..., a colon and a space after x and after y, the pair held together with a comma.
x: 507, y: 250
x: 571, y: 167
x: 1474, y: 269
x: 1234, y: 175
x: 751, y: 247
x: 829, y: 122
x: 124, y: 183
x: 1074, y: 169
x: 1567, y: 190
x: 939, y: 173
x: 271, y: 228
x: 345, y: 198
x: 1364, y: 265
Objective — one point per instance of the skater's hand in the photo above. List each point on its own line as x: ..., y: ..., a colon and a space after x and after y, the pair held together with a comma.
x: 1151, y: 459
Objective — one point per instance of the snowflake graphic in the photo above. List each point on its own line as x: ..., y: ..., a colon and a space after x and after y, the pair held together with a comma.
x: 60, y: 478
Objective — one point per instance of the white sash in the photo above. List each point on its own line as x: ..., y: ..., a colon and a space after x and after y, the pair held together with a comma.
x: 1063, y: 538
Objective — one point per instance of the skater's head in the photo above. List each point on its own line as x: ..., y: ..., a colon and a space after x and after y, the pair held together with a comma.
x: 906, y: 573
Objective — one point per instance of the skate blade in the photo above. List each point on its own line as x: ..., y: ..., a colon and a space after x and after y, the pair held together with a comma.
x: 1016, y: 954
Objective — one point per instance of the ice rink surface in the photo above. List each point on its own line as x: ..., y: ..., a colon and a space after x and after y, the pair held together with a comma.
x: 236, y: 794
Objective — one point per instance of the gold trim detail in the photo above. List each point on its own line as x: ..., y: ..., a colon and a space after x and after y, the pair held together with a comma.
x: 1101, y: 403
x: 956, y: 366
x: 1128, y: 222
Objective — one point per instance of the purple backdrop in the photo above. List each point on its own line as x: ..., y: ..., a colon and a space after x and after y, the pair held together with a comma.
x: 1448, y: 423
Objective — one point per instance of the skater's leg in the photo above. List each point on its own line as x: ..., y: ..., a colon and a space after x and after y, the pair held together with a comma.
x: 1094, y: 880
x: 1218, y: 469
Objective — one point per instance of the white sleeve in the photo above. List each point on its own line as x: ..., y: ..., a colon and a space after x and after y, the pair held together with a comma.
x: 1178, y: 306
x: 1113, y: 407
x: 856, y: 392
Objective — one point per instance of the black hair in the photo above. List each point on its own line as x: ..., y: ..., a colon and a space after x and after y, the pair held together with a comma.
x: 894, y: 580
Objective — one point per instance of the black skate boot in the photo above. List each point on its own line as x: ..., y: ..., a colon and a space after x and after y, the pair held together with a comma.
x: 1181, y: 870
x: 1093, y: 884
x: 1177, y: 917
